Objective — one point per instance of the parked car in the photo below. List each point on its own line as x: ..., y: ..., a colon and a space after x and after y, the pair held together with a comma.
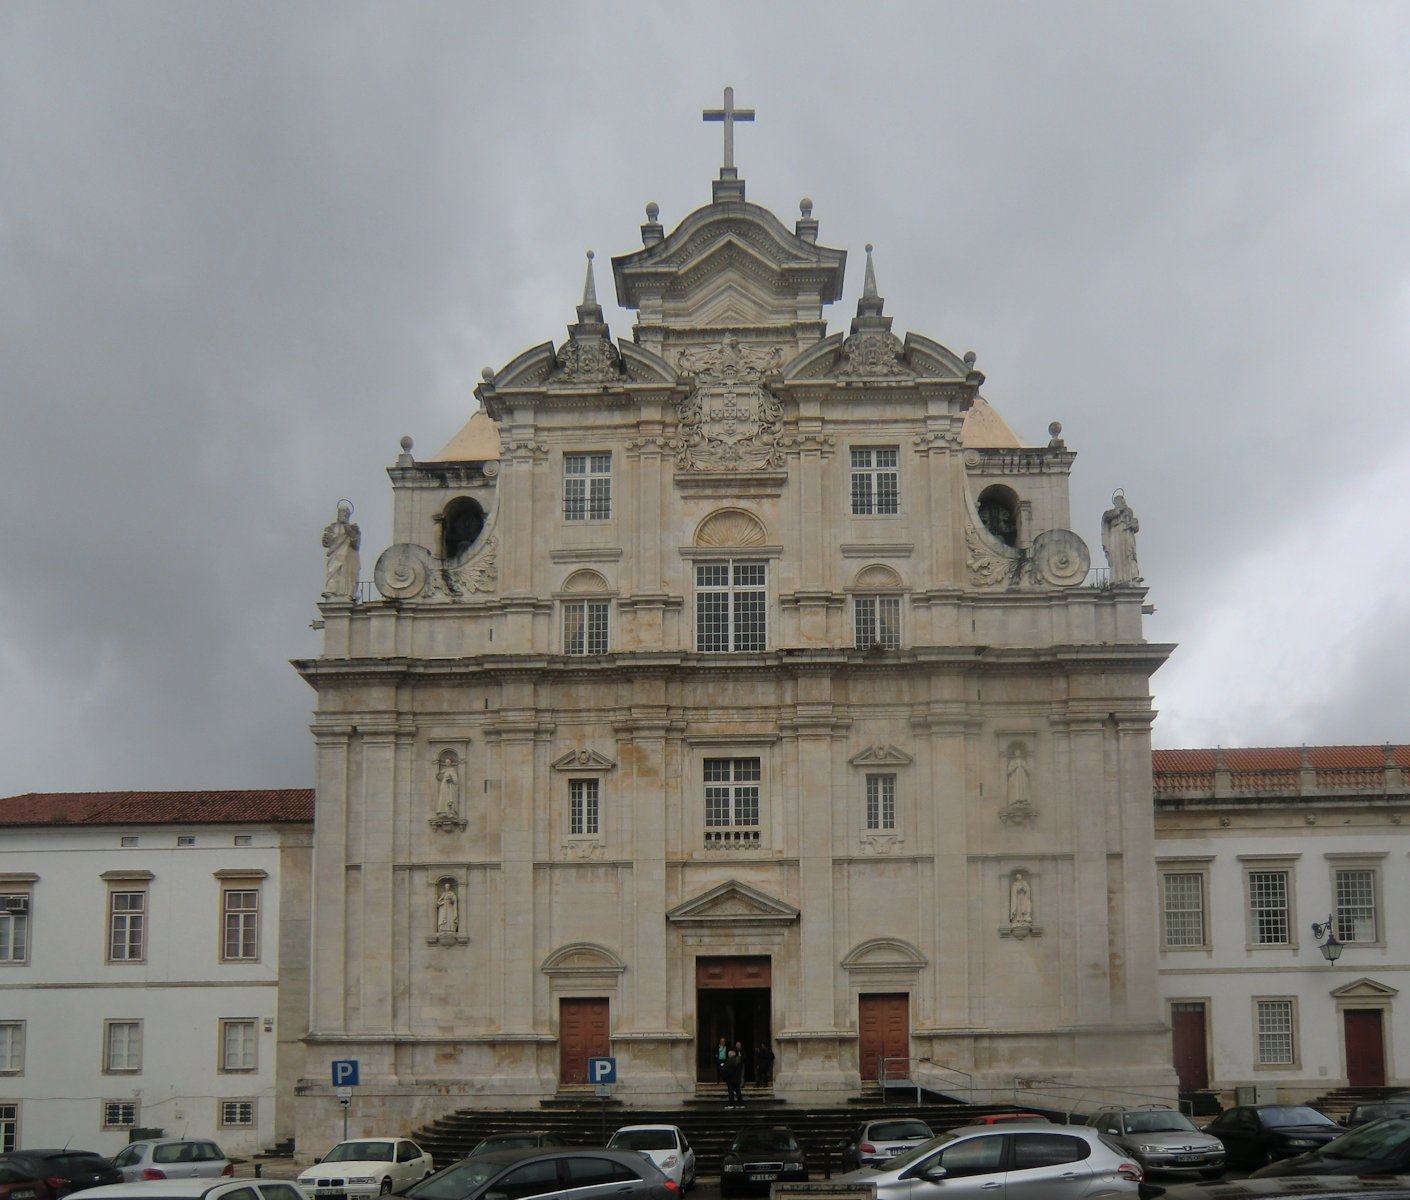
x: 760, y: 1156
x: 665, y: 1145
x: 365, y: 1167
x: 1035, y: 1158
x: 64, y: 1171
x: 196, y: 1189
x: 877, y: 1142
x: 525, y: 1173
x: 1003, y: 1118
x: 1257, y: 1134
x: 1162, y: 1139
x: 172, y: 1158
x: 519, y: 1139
x: 1308, y: 1187
x: 1364, y: 1114
x: 1380, y: 1148
x: 19, y: 1183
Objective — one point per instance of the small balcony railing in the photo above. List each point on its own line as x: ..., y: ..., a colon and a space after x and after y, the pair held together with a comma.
x: 731, y: 839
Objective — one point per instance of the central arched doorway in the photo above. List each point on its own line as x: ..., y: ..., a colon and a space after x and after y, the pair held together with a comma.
x: 732, y: 1001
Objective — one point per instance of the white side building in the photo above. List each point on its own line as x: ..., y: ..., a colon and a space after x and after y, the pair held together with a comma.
x: 1253, y: 848
x: 153, y: 962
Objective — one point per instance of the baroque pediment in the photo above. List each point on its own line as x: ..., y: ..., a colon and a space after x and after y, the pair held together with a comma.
x: 733, y: 904
x: 583, y: 760
x: 881, y: 756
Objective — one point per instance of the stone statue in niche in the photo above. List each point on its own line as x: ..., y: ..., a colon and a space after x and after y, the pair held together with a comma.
x: 448, y: 785
x: 341, y: 540
x: 447, y: 909
x: 1017, y: 771
x: 1119, y: 529
x: 1020, y: 900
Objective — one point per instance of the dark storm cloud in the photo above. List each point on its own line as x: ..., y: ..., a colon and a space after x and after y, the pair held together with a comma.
x: 244, y: 248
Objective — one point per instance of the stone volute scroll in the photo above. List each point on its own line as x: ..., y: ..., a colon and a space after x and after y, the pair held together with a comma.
x: 447, y: 811
x: 1119, y: 529
x: 1018, y: 778
x: 341, y: 541
x: 1020, y: 907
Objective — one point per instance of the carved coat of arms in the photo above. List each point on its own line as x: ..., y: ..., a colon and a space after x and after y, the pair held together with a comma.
x: 730, y: 421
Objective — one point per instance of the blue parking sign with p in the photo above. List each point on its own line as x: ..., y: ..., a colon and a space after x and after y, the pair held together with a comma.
x: 345, y: 1072
x: 602, y: 1070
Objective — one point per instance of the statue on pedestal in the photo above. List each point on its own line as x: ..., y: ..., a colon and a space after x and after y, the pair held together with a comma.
x: 1020, y: 900
x: 447, y: 909
x: 1119, y: 529
x: 341, y: 539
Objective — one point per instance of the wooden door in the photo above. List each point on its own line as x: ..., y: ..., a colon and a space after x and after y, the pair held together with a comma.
x: 884, y: 1028
x: 1365, y: 1047
x: 1189, y: 1044
x: 584, y: 1032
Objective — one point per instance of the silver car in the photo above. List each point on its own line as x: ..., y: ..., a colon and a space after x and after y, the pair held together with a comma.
x: 172, y: 1158
x: 1019, y: 1160
x: 1162, y: 1139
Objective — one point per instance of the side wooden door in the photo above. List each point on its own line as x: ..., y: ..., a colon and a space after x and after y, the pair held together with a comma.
x: 584, y: 1032
x: 1189, y: 1044
x: 884, y: 1033
x: 1365, y: 1047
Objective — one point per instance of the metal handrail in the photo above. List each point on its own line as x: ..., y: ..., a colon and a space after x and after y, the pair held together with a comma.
x: 1075, y: 1106
x: 923, y: 1066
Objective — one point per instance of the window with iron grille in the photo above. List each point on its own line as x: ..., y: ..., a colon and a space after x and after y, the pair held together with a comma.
x: 237, y: 1114
x: 585, y: 626
x: 876, y: 622
x: 732, y: 800
x: 127, y: 925
x: 1356, y: 905
x: 120, y: 1114
x: 240, y: 935
x: 1184, y: 908
x: 122, y: 1049
x: 587, y: 487
x: 9, y: 1127
x: 237, y: 1045
x: 582, y: 806
x: 1275, y: 1033
x: 730, y: 601
x: 11, y: 1047
x: 1268, y: 907
x: 876, y: 488
x: 881, y: 801
x: 14, y: 928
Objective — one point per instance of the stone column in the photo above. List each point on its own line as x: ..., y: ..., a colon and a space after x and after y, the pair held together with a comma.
x: 517, y: 730
x: 1088, y: 919
x: 379, y: 932
x: 328, y: 963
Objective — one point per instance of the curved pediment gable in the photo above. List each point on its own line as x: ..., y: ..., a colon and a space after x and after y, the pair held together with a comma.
x: 583, y: 958
x: 733, y: 904
x: 883, y: 954
x: 644, y: 367
x: 931, y: 360
x: 529, y: 369
x: 817, y: 361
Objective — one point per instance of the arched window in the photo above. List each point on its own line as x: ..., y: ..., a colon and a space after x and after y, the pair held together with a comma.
x: 461, y: 523
x: 998, y: 509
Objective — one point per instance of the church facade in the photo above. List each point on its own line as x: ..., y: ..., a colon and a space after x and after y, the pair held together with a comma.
x: 738, y: 680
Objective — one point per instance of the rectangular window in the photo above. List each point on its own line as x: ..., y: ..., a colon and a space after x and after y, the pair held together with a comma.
x: 587, y: 487
x: 1356, y: 905
x: 128, y: 840
x: 240, y: 924
x: 237, y: 1045
x: 582, y: 800
x: 127, y: 913
x: 9, y: 1127
x: 876, y: 488
x: 732, y: 801
x: 881, y: 802
x: 14, y: 928
x: 122, y: 1050
x: 585, y: 627
x: 1275, y: 1033
x: 1268, y: 908
x: 244, y: 839
x: 237, y: 1114
x: 119, y: 1114
x: 730, y: 600
x: 876, y: 622
x: 1183, y: 907
x: 11, y: 1047
x: 185, y: 839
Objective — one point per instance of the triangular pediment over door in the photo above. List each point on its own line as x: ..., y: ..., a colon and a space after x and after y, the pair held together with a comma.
x: 1364, y: 989
x: 733, y: 904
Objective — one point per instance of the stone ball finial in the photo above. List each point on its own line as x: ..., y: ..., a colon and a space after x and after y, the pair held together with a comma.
x: 805, y: 208
x: 1055, y: 429
x: 487, y: 374
x: 869, y: 247
x: 969, y: 359
x: 653, y: 210
x: 407, y: 444
x: 590, y: 256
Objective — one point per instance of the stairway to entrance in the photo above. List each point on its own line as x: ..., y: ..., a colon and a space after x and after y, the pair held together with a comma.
x: 706, y: 1122
x: 1337, y: 1103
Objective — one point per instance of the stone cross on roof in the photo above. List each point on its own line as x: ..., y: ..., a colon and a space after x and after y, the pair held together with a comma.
x: 729, y: 115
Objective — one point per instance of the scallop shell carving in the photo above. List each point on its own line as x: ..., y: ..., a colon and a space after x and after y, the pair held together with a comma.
x: 878, y: 576
x: 585, y: 581
x: 731, y: 527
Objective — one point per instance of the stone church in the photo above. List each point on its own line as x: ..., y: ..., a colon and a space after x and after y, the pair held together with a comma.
x: 735, y: 680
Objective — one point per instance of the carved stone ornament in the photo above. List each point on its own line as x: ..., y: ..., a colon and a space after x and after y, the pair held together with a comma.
x: 588, y: 362
x: 872, y: 354
x: 1060, y: 558
x: 582, y: 849
x: 730, y: 421
x: 882, y: 843
x: 986, y: 568
x: 407, y: 571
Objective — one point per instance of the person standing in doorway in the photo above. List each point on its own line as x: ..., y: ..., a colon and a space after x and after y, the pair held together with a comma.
x: 721, y: 1053
x: 764, y: 1064
x: 734, y: 1078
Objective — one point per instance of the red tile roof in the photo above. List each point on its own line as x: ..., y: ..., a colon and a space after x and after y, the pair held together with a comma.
x: 276, y: 806
x: 1275, y: 768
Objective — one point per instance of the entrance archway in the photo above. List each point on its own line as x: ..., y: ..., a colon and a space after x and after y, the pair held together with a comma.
x: 732, y: 1001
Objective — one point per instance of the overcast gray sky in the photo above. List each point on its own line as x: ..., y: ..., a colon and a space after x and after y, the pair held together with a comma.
x: 244, y: 248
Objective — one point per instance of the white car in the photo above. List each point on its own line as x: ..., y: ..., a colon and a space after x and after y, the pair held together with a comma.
x: 366, y: 1167
x: 664, y: 1145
